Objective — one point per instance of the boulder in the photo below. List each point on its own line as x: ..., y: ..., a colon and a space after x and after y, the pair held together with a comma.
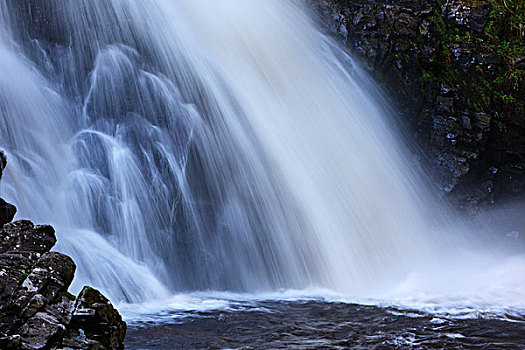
x: 99, y: 320
x: 36, y: 310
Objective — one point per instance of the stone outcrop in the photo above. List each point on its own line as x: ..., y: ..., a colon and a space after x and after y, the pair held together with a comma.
x: 36, y: 310
x: 454, y: 67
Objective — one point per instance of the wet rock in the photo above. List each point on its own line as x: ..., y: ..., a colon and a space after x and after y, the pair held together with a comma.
x: 482, y: 121
x: 13, y: 269
x: 7, y: 212
x: 77, y: 339
x: 3, y: 163
x: 23, y: 236
x: 62, y: 307
x: 445, y: 104
x: 52, y: 274
x: 465, y: 122
x: 468, y: 57
x: 480, y: 196
x: 95, y: 315
x: 40, y: 19
x: 514, y: 179
x: 41, y: 331
x: 470, y: 14
x: 36, y: 311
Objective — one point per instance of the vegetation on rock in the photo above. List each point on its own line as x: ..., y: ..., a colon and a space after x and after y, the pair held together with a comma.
x: 457, y: 68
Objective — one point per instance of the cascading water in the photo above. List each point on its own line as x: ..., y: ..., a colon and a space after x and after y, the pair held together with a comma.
x: 206, y: 145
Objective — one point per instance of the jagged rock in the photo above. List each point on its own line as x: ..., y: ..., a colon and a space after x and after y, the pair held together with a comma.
x: 95, y: 315
x: 36, y: 311
x: 13, y: 267
x: 52, y: 274
x: 40, y: 331
x: 468, y: 56
x: 36, y: 303
x: 62, y: 307
x: 23, y: 236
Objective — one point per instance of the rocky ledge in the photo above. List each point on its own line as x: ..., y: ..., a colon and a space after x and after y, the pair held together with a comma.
x: 36, y: 309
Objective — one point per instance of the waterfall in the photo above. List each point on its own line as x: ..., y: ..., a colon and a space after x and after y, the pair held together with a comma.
x: 206, y: 145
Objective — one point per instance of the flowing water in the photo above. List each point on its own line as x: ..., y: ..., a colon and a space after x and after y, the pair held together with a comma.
x: 202, y: 145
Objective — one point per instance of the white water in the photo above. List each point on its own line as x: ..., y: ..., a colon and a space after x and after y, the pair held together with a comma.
x: 191, y: 145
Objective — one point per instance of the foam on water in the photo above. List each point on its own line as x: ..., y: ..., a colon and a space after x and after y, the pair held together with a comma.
x: 488, y: 289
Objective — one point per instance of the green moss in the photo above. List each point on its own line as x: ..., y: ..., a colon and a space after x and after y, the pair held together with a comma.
x: 66, y: 295
x: 496, y: 86
x: 503, y: 40
x: 22, y: 277
x: 92, y: 296
x: 506, y: 40
x: 427, y: 77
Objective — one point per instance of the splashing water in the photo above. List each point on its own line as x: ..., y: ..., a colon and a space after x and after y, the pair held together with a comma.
x: 219, y: 145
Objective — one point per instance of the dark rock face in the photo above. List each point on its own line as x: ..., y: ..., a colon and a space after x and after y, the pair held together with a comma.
x: 7, y: 212
x: 471, y: 14
x: 446, y: 65
x: 94, y: 314
x: 36, y: 311
x: 3, y: 163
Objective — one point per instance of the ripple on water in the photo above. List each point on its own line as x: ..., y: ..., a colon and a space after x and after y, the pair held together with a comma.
x: 319, y: 324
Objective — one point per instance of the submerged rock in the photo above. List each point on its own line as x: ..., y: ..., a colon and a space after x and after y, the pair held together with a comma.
x: 36, y: 310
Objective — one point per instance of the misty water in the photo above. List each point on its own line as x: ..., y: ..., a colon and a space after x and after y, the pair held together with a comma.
x: 208, y: 159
